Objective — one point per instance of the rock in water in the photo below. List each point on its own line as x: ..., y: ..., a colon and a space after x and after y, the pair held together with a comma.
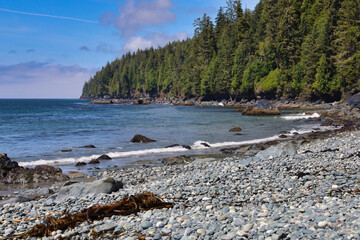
x: 94, y: 161
x: 262, y: 108
x: 141, y: 139
x: 12, y: 173
x: 235, y: 129
x: 78, y: 164
x: 104, y: 157
x: 88, y: 146
x: 354, y: 101
x: 77, y: 190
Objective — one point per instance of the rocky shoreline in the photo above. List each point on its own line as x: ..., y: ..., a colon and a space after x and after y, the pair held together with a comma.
x: 280, y: 104
x: 307, y: 187
x: 292, y: 190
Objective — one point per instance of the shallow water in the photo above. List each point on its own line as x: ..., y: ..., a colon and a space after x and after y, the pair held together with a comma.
x: 33, y: 131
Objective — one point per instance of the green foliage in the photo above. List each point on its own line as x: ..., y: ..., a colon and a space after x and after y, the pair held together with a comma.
x: 269, y: 84
x: 281, y: 48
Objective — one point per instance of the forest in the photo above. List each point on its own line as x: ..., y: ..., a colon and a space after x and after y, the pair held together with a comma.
x: 292, y: 49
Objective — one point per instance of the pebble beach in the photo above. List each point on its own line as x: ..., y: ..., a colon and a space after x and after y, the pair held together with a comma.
x: 293, y: 190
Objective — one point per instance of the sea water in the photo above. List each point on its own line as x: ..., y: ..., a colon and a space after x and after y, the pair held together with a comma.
x: 35, y: 131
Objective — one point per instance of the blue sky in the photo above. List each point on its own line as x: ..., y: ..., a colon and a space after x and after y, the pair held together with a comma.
x: 49, y: 48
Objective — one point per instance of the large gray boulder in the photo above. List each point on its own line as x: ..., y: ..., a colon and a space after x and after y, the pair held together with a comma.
x: 354, y: 101
x: 283, y: 149
x: 78, y: 190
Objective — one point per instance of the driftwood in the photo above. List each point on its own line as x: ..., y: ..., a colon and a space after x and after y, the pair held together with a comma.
x: 126, y: 206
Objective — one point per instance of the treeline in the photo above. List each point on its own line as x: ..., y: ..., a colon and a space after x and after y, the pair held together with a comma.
x: 283, y: 48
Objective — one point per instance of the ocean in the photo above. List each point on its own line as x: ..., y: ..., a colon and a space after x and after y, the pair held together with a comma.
x: 35, y: 131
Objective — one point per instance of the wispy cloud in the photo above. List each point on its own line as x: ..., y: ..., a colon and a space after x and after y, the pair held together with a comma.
x: 136, y: 15
x: 12, y: 52
x: 30, y: 50
x: 43, y: 80
x: 47, y: 15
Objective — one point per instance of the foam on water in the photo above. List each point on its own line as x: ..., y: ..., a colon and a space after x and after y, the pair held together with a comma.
x: 198, y: 145
x: 66, y: 161
x: 300, y: 116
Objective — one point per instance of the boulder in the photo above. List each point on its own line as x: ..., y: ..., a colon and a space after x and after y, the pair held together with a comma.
x: 65, y: 150
x: 94, y: 161
x: 235, y: 129
x: 104, y: 157
x: 262, y: 108
x: 255, y: 111
x: 281, y: 150
x: 79, y: 164
x: 141, y: 139
x: 178, y: 145
x: 354, y: 101
x: 205, y: 145
x: 12, y: 173
x: 78, y: 190
x: 88, y: 146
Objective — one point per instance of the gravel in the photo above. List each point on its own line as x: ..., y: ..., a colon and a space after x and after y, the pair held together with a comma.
x: 311, y: 192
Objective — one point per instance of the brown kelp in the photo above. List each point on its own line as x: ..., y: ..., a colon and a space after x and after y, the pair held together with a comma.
x: 126, y: 206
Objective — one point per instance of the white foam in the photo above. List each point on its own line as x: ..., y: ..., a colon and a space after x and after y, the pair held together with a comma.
x: 199, y: 145
x: 66, y: 161
x: 300, y: 116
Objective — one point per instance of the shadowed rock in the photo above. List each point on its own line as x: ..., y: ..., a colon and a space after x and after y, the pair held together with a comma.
x: 235, y: 129
x: 104, y: 157
x: 178, y: 145
x: 79, y: 164
x: 141, y: 139
x: 12, y: 173
x: 94, y: 161
x: 262, y: 108
x: 88, y: 146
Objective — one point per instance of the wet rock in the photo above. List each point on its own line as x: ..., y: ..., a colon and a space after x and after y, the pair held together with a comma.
x: 94, y: 161
x: 104, y: 157
x: 262, y: 108
x: 77, y: 190
x: 178, y: 145
x: 205, y: 145
x: 65, y: 150
x: 88, y: 146
x: 12, y: 173
x: 79, y: 164
x: 141, y: 139
x: 235, y: 129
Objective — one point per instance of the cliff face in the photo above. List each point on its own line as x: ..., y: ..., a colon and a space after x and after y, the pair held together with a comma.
x: 307, y: 48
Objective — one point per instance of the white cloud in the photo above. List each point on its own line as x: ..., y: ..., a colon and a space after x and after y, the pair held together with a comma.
x: 154, y: 40
x: 42, y: 80
x: 136, y: 15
